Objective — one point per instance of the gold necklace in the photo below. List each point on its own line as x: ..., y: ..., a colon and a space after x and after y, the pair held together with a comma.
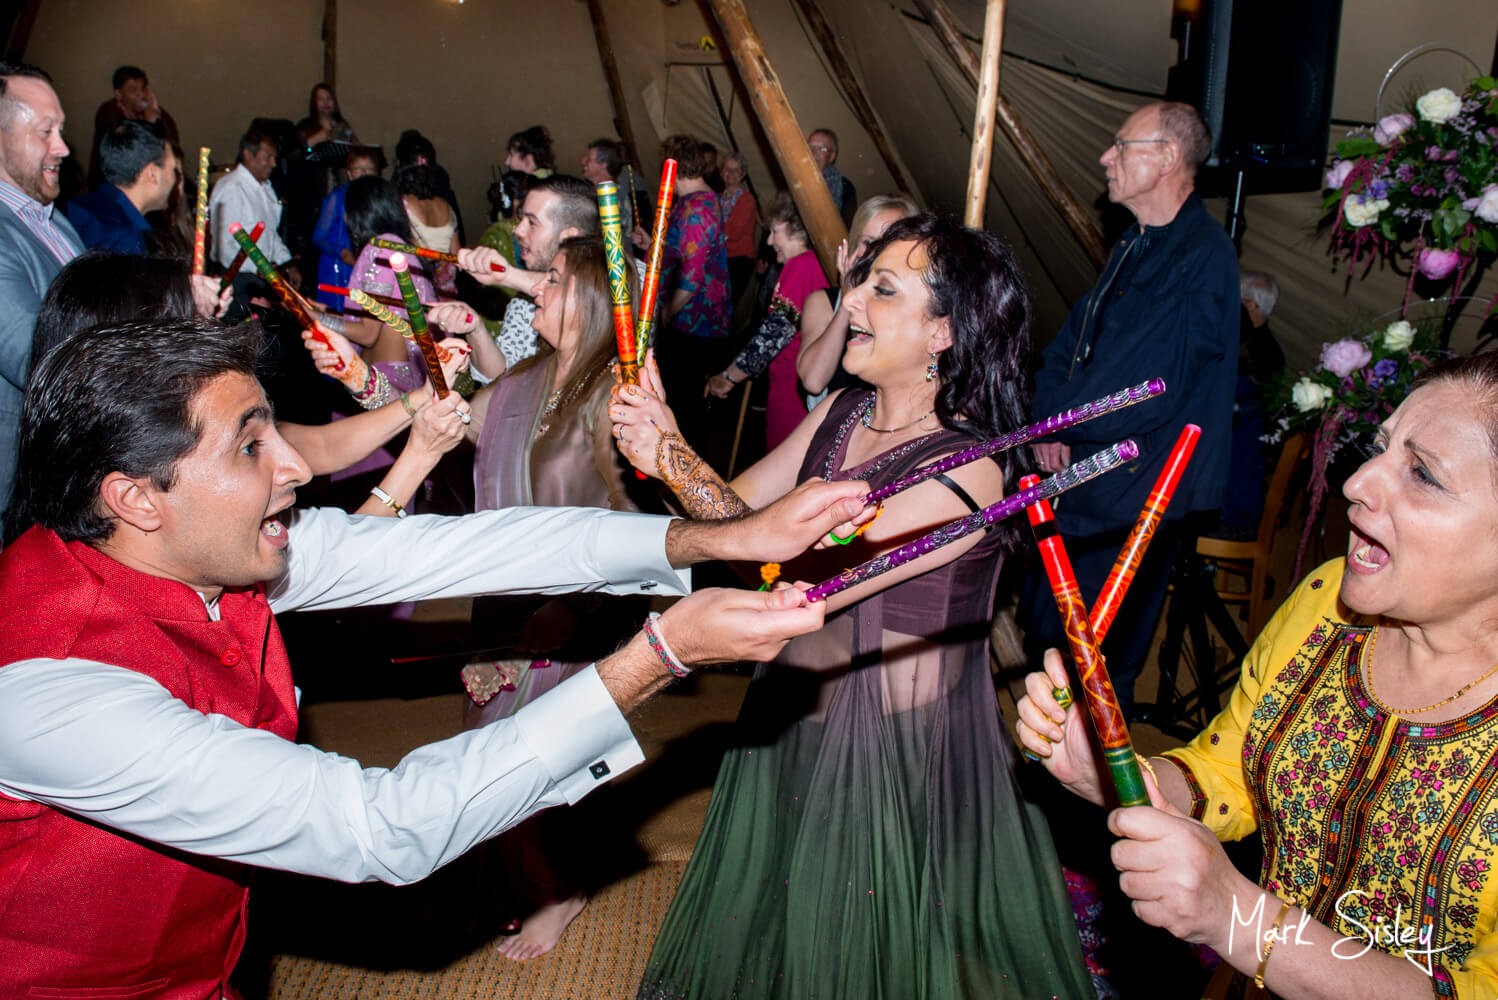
x: 1372, y: 640
x: 868, y: 421
x: 555, y: 402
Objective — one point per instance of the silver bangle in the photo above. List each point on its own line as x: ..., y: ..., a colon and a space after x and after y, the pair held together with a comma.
x: 387, y: 500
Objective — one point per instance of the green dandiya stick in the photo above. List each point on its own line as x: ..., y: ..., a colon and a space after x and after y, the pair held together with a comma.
x: 417, y: 317
x: 1102, y: 700
x: 290, y: 300
x: 612, y: 224
x: 200, y: 216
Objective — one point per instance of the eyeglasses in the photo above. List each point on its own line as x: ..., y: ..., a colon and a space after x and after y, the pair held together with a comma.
x: 1120, y: 144
x: 818, y: 147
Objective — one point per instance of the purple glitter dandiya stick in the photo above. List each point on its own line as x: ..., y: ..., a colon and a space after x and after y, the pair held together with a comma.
x: 1075, y: 475
x: 1050, y: 425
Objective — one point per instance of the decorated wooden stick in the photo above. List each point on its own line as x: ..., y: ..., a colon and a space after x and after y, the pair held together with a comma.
x: 1050, y: 425
x: 239, y: 259
x: 634, y: 201
x: 1105, y: 608
x: 1102, y: 701
x: 377, y: 309
x: 423, y: 252
x: 388, y: 300
x: 200, y: 216
x: 650, y: 290
x: 417, y: 317
x: 290, y: 300
x: 1089, y: 468
x: 613, y: 251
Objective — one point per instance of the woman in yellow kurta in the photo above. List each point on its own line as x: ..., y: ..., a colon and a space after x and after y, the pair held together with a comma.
x: 1361, y: 742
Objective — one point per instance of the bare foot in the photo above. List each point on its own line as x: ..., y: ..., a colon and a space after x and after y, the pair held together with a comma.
x: 543, y: 929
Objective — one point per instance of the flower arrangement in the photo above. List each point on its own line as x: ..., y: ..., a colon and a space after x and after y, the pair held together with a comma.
x: 1423, y: 186
x: 1357, y: 382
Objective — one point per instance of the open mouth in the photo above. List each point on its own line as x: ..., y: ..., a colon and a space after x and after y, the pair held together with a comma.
x: 1365, y: 554
x: 274, y: 528
x: 858, y: 335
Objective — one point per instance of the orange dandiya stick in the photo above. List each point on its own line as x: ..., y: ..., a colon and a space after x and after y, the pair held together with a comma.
x: 612, y: 224
x: 417, y: 317
x: 1102, y: 700
x: 290, y: 300
x: 239, y: 259
x: 1105, y: 608
x: 423, y: 252
x: 651, y: 289
x: 200, y: 216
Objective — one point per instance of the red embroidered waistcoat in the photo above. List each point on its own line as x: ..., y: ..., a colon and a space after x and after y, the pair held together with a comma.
x: 83, y: 908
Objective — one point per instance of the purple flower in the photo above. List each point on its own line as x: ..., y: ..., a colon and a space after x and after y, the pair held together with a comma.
x: 1379, y: 189
x: 1405, y: 173
x: 1434, y: 153
x: 1390, y: 127
x: 1437, y: 264
x: 1452, y: 175
x: 1343, y: 357
x: 1383, y: 373
x: 1336, y: 176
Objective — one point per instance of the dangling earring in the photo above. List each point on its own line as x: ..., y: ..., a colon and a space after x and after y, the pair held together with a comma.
x: 931, y: 369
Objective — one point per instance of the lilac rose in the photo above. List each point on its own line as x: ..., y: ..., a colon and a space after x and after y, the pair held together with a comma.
x: 1437, y: 264
x: 1343, y: 357
x: 1390, y: 127
x: 1336, y: 176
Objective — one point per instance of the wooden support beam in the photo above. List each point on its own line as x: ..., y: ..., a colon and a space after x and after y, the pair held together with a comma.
x: 22, y: 19
x: 330, y: 43
x: 804, y: 178
x: 616, y: 88
x: 853, y: 90
x: 1039, y: 165
x: 988, y: 98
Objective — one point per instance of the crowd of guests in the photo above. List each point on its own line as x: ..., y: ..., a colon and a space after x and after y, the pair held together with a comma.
x: 871, y: 832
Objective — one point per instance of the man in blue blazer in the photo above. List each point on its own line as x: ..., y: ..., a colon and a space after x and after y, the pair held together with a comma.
x: 35, y: 240
x: 140, y: 174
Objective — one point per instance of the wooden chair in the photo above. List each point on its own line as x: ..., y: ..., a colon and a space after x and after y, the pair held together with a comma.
x: 1250, y: 560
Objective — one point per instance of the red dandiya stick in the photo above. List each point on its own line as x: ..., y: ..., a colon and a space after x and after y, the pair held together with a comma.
x: 650, y: 291
x: 1102, y: 701
x: 417, y: 317
x: 290, y: 300
x: 200, y: 216
x: 239, y: 259
x: 1105, y: 608
x: 423, y: 252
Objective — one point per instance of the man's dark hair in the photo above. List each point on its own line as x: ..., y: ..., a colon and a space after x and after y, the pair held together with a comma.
x: 534, y: 142
x: 8, y: 70
x: 413, y: 146
x: 609, y: 153
x: 577, y: 203
x: 116, y: 399
x: 251, y: 141
x: 125, y: 74
x: 127, y: 149
x: 101, y: 288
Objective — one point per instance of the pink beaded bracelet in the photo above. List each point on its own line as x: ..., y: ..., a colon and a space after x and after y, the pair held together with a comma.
x: 658, y: 643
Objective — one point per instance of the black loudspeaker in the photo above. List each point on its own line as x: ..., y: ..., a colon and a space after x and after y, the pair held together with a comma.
x: 1260, y: 72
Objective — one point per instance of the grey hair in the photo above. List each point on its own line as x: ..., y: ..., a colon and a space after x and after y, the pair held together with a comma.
x: 1183, y: 124
x: 1259, y: 288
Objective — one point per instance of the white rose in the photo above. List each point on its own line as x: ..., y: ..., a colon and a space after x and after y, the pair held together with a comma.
x: 1308, y: 395
x: 1362, y: 210
x: 1485, y: 205
x: 1439, y: 105
x: 1398, y: 336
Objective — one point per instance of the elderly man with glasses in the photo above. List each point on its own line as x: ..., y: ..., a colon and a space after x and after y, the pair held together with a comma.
x: 1166, y: 304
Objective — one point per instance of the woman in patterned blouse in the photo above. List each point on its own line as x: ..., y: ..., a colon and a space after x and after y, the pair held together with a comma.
x: 1361, y: 742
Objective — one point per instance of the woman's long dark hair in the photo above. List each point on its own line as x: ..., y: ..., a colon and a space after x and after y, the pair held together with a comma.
x: 371, y: 207
x: 312, y: 104
x: 977, y: 286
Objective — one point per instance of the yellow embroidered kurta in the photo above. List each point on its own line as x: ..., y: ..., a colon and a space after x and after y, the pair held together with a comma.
x: 1361, y: 812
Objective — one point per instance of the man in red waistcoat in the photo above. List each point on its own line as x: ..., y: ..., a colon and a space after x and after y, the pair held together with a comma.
x: 147, y: 711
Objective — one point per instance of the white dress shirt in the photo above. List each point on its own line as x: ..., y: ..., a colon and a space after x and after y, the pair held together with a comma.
x: 112, y: 746
x: 240, y: 198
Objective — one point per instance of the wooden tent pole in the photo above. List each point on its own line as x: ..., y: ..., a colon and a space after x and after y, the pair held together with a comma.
x: 330, y: 43
x: 803, y: 176
x: 983, y: 112
x: 854, y: 91
x: 1039, y: 165
x: 616, y: 88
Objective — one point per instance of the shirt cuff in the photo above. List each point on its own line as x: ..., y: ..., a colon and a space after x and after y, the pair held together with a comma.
x: 637, y: 552
x: 579, y: 735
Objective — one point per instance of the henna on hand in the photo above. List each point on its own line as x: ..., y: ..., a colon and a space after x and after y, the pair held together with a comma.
x: 701, y: 491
